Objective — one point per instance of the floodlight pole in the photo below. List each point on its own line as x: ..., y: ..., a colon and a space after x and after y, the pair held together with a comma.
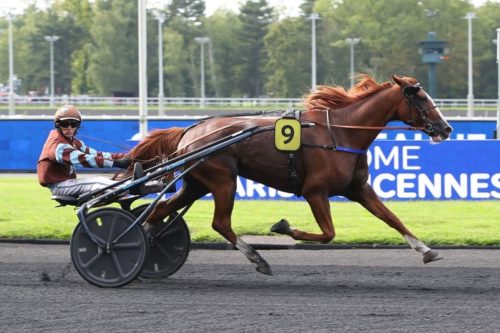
x: 160, y: 16
x: 51, y: 40
x: 470, y: 94
x: 12, y: 106
x: 352, y: 42
x: 313, y: 17
x: 143, y: 80
x: 202, y: 41
x: 498, y: 100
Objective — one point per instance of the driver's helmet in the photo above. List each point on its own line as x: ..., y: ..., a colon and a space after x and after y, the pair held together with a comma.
x: 67, y: 112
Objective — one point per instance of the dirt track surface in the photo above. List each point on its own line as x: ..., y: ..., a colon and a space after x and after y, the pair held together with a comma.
x: 219, y: 291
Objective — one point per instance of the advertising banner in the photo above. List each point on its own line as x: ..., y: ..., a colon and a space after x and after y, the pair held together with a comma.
x: 403, y: 165
x: 419, y: 170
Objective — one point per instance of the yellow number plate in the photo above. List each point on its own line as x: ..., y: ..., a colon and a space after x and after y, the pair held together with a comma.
x: 287, y: 134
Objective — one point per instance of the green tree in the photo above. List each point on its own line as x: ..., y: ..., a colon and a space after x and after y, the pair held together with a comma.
x: 114, y: 61
x: 289, y: 57
x: 255, y: 17
x: 33, y: 51
x: 254, y: 52
x: 389, y: 46
x: 307, y: 8
x: 484, y: 32
x: 226, y: 53
x: 446, y: 20
x: 81, y: 12
x: 188, y: 10
x: 175, y: 64
x: 185, y: 17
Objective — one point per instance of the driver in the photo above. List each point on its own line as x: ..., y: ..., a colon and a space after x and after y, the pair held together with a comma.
x: 62, y: 152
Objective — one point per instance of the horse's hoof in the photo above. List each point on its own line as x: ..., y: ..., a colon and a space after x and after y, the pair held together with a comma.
x: 264, y: 268
x: 282, y: 227
x: 430, y: 256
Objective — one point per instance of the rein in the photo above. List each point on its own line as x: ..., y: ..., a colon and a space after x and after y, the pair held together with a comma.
x: 208, y: 134
x: 335, y: 147
x: 156, y: 158
x: 104, y: 141
x: 408, y: 128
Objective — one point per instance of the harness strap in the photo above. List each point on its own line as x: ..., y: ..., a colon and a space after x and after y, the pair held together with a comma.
x: 330, y: 128
x: 336, y: 148
x: 351, y: 150
x: 293, y: 175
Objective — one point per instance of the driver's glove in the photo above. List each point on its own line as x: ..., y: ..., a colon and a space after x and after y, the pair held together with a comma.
x: 122, y: 163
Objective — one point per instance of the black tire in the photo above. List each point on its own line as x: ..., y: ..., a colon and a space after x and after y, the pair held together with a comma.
x: 170, y: 250
x: 117, y: 266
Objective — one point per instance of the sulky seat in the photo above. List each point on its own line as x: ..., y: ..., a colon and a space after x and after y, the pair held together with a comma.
x: 65, y: 200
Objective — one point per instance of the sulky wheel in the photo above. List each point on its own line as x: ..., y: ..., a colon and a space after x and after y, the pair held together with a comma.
x: 169, y: 250
x: 110, y: 265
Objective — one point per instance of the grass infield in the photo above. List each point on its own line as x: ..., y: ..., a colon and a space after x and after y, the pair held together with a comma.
x: 26, y: 211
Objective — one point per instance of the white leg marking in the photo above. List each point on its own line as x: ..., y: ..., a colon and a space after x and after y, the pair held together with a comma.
x: 247, y: 250
x: 417, y: 244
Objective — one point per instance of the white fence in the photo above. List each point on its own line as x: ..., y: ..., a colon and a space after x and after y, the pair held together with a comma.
x: 153, y: 101
x: 458, y: 107
x: 208, y: 101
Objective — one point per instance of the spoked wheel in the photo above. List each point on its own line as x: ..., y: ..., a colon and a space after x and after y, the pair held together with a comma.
x: 110, y: 265
x: 169, y: 250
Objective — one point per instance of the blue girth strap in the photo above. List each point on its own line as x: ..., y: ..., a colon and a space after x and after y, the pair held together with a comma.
x: 334, y: 145
x: 351, y: 150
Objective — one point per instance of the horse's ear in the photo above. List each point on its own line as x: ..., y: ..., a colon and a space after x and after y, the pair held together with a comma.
x: 398, y: 80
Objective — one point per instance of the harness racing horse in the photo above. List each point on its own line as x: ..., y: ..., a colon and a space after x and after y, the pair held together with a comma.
x: 331, y: 161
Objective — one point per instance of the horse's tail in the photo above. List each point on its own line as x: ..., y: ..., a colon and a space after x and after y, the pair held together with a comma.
x: 160, y: 143
x: 157, y: 146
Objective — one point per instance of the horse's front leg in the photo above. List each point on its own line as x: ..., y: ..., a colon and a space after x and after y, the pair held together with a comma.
x: 254, y: 256
x: 224, y: 202
x: 320, y: 207
x: 367, y: 197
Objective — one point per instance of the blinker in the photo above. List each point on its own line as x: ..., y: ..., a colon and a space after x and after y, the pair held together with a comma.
x: 410, y: 91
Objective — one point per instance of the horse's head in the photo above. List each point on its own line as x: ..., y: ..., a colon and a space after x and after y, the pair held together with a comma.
x: 420, y: 110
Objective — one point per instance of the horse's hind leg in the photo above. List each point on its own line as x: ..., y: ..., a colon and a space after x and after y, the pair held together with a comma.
x: 190, y: 191
x: 320, y: 207
x: 370, y: 200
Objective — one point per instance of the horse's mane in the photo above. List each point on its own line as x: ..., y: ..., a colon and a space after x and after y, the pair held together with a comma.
x: 328, y: 97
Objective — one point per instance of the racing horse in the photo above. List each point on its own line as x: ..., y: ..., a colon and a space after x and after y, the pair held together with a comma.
x: 331, y: 161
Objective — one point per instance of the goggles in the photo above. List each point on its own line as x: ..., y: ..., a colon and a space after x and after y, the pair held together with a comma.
x: 68, y: 123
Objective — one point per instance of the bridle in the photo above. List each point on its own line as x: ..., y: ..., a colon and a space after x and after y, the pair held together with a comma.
x: 410, y: 93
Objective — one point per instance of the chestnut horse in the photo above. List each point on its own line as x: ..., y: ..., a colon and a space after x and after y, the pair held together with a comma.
x: 331, y: 160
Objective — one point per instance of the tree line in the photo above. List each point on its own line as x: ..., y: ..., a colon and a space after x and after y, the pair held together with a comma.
x: 255, y: 52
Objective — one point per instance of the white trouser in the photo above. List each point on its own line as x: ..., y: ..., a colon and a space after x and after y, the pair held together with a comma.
x: 77, y: 187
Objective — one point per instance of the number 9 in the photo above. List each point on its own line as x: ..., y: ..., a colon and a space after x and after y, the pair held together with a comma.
x: 288, y: 132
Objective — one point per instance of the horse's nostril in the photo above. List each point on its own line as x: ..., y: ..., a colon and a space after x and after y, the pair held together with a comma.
x: 448, y: 129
